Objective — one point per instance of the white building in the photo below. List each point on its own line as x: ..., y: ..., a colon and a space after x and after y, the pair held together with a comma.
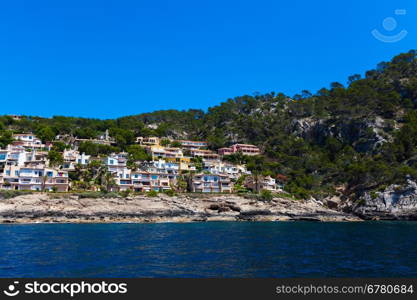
x: 210, y: 183
x: 27, y: 140
x: 115, y: 162
x: 219, y: 167
x: 73, y: 157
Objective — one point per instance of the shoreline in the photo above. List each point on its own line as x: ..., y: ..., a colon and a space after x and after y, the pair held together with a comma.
x: 185, y: 208
x: 180, y: 220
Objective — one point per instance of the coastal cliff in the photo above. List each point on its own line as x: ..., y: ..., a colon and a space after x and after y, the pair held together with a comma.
x: 68, y: 208
x: 396, y: 202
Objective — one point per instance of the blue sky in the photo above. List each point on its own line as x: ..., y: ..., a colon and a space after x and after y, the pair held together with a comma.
x: 107, y: 59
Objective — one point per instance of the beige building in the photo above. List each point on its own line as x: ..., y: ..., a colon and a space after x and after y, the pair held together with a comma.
x: 158, y: 152
x: 34, y: 178
x: 264, y: 183
x: 148, y: 141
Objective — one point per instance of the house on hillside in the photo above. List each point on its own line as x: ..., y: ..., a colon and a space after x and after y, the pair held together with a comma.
x: 27, y: 140
x: 33, y: 178
x: 211, y: 183
x: 245, y: 149
x: 193, y: 144
x: 264, y: 183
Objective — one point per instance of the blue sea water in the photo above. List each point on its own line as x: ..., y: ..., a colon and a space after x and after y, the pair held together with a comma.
x: 218, y: 249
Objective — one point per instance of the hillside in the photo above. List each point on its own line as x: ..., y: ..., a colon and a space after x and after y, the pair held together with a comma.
x: 345, y: 139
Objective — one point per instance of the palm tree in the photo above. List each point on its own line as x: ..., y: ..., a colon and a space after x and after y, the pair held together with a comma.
x: 108, y: 181
x: 256, y: 166
x: 43, y: 185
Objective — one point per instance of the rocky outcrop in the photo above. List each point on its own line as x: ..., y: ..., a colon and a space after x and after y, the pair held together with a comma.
x: 394, y: 203
x: 363, y: 134
x: 35, y: 208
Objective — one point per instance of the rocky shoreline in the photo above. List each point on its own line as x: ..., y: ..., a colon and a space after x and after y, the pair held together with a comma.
x: 68, y: 208
x: 395, y: 202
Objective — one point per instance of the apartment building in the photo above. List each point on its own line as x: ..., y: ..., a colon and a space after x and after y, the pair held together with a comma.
x: 115, y: 162
x: 264, y: 183
x: 148, y: 141
x: 220, y: 167
x: 204, y: 154
x: 73, y: 157
x: 18, y: 156
x: 27, y: 140
x: 34, y: 177
x: 193, y: 144
x: 225, y: 151
x: 13, y: 155
x: 163, y: 167
x: 147, y: 181
x: 245, y: 149
x: 141, y: 181
x: 158, y: 152
x: 211, y: 183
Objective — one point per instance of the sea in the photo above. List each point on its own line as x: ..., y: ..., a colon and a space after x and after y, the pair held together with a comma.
x: 212, y: 249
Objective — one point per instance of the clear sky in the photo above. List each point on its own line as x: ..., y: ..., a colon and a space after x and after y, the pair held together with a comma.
x: 112, y: 58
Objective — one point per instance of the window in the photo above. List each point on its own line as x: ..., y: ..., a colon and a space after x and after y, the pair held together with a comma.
x: 154, y: 176
x: 2, y: 156
x: 49, y: 174
x: 8, y: 172
x: 16, y: 173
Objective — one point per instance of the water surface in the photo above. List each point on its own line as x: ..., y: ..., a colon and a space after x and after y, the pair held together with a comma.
x: 217, y: 249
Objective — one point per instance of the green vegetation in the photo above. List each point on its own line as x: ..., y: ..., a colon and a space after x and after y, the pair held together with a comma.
x: 7, y: 194
x: 5, y: 137
x: 176, y: 144
x: 170, y: 193
x: 152, y: 194
x: 96, y: 195
x: 90, y: 148
x: 55, y: 158
x: 60, y: 146
x: 265, y: 195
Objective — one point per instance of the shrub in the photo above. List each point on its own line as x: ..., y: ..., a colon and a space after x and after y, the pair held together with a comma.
x: 265, y: 195
x: 125, y: 193
x: 240, y: 189
x: 7, y: 194
x: 95, y: 195
x: 152, y: 194
x: 170, y: 193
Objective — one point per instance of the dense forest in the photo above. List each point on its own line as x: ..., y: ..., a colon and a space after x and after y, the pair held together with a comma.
x: 346, y: 138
